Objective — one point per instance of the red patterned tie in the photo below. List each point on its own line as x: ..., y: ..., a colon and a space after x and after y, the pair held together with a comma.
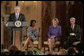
x: 72, y: 28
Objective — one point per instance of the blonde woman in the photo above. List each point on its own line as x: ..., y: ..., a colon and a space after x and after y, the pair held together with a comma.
x: 54, y: 33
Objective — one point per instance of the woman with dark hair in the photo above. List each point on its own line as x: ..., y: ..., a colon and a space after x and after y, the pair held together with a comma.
x: 32, y: 34
x: 32, y: 22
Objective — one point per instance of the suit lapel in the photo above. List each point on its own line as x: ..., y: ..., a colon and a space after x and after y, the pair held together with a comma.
x: 70, y: 28
x: 19, y: 17
x: 74, y: 27
x: 14, y: 17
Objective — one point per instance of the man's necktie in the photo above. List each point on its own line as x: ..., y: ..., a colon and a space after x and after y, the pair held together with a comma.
x: 72, y: 28
x: 17, y: 17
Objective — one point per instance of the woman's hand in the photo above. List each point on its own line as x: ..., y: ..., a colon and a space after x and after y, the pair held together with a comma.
x: 32, y: 29
x: 52, y: 37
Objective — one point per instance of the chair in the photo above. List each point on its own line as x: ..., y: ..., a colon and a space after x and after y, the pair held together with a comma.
x: 75, y: 43
x: 35, y: 42
x: 46, y: 44
x: 57, y: 45
x: 4, y: 51
x: 23, y: 40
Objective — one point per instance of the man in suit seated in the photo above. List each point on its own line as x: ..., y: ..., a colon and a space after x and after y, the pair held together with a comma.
x: 14, y: 17
x: 72, y: 33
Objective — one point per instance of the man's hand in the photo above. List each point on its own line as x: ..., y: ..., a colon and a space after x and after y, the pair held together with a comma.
x: 72, y: 34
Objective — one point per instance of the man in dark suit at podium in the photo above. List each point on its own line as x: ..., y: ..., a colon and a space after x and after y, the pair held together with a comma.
x: 17, y: 15
x: 14, y: 17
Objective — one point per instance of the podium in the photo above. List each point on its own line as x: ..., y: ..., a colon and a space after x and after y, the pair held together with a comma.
x: 16, y: 28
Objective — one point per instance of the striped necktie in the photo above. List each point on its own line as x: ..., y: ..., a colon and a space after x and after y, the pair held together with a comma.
x: 17, y: 16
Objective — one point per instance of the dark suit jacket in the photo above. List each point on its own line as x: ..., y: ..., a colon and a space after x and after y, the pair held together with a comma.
x: 13, y: 18
x: 76, y: 30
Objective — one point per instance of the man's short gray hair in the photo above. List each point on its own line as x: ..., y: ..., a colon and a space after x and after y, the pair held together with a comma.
x: 72, y: 18
x: 17, y: 7
x: 55, y: 19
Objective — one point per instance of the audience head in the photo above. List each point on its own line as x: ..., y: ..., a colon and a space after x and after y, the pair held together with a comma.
x: 20, y: 52
x: 13, y: 50
x: 55, y: 22
x: 28, y: 52
x: 62, y: 52
x: 17, y: 9
x: 32, y: 23
x: 71, y: 51
x: 80, y: 48
x: 72, y: 20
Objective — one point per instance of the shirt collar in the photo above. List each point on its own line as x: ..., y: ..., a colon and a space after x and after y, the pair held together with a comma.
x: 16, y: 13
x: 73, y: 25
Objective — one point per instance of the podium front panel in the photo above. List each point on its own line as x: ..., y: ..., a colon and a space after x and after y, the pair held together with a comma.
x: 17, y: 39
x: 17, y: 36
x: 16, y: 33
